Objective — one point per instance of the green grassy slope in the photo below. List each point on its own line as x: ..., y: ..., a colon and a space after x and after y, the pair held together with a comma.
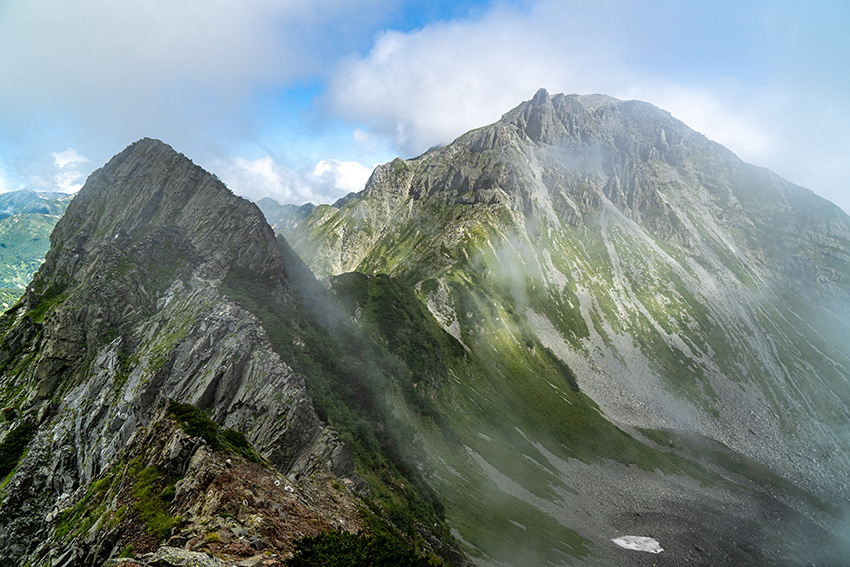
x: 497, y: 421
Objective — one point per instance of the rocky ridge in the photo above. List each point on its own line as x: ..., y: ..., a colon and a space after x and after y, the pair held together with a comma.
x: 128, y: 311
x: 225, y: 509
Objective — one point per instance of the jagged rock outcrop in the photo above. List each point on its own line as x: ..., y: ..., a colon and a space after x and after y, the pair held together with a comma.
x: 128, y: 310
x: 218, y: 508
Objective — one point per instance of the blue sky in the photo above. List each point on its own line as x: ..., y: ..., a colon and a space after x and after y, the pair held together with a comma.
x: 299, y: 99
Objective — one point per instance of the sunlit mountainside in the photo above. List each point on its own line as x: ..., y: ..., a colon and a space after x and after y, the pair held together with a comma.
x: 690, y: 294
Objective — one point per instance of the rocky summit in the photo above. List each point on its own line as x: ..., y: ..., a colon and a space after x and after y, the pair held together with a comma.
x: 582, y: 335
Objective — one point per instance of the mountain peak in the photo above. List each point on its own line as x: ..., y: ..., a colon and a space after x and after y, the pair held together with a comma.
x: 145, y: 299
x: 144, y: 157
x: 541, y: 97
x: 152, y: 196
x: 686, y: 291
x: 146, y: 143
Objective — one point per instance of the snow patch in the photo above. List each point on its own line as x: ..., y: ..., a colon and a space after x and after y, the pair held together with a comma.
x: 638, y: 543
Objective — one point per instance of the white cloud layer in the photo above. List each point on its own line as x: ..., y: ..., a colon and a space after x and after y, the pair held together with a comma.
x: 95, y: 47
x: 213, y: 77
x: 342, y: 176
x: 326, y: 182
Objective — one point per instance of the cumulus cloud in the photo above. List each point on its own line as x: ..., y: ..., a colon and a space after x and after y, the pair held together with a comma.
x: 68, y: 157
x: 341, y: 176
x: 326, y: 182
x: 69, y: 181
x: 744, y: 90
x: 260, y: 178
x: 69, y: 176
x: 428, y: 86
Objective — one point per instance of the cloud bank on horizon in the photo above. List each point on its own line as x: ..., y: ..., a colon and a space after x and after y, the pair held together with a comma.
x: 297, y: 99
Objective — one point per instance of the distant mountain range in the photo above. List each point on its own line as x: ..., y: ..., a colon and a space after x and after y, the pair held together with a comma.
x: 580, y: 328
x: 26, y: 219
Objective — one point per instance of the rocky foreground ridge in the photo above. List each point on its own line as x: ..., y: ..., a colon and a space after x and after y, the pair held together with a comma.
x: 129, y: 312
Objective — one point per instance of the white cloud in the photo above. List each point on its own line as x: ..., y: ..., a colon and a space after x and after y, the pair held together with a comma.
x: 706, y: 112
x: 69, y: 177
x: 63, y: 48
x: 6, y: 184
x: 69, y: 181
x: 428, y: 86
x: 342, y: 176
x: 260, y: 178
x: 362, y: 136
x: 326, y: 182
x: 68, y: 157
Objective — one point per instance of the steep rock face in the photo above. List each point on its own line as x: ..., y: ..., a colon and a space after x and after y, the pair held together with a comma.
x: 686, y: 290
x: 149, y: 195
x: 126, y: 311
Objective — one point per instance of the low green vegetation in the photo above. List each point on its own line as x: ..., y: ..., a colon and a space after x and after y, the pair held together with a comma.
x: 345, y: 549
x: 14, y: 446
x: 197, y: 423
x: 91, y: 509
x: 54, y: 295
x: 391, y: 313
x: 153, y: 493
x: 128, y: 552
